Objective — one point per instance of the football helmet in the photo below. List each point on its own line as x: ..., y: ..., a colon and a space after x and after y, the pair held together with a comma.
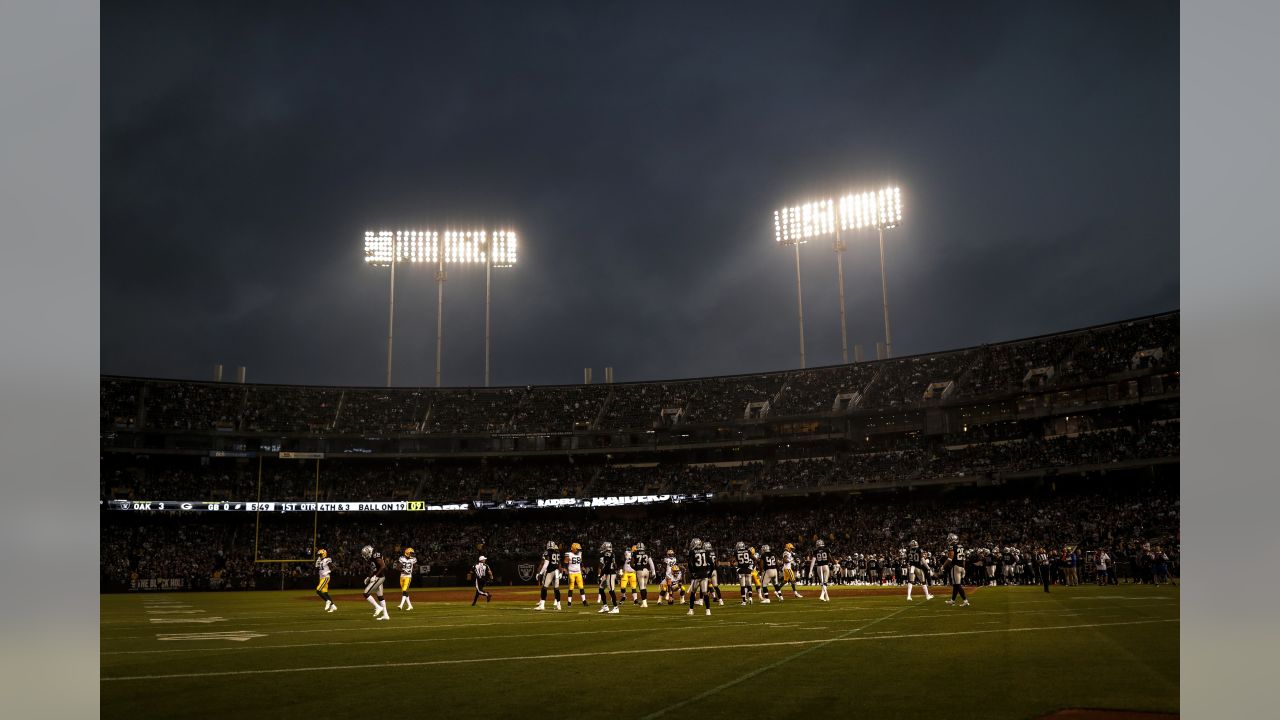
x: 788, y: 546
x: 575, y: 547
x: 913, y: 544
x: 671, y: 553
x: 952, y: 538
x: 483, y: 558
x: 322, y: 553
x: 408, y: 552
x: 606, y: 546
x: 821, y: 543
x: 639, y: 547
x: 551, y: 544
x: 695, y: 544
x: 764, y: 548
x: 366, y: 552
x: 740, y: 545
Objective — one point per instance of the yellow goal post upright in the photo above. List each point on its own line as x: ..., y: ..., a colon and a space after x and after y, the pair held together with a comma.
x: 315, y: 513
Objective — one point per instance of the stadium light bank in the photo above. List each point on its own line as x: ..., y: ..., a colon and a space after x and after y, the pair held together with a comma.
x: 388, y: 248
x: 881, y: 209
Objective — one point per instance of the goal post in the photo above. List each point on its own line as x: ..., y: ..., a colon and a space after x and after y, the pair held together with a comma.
x: 312, y: 488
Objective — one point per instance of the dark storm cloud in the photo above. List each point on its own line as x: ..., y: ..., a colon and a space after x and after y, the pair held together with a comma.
x: 640, y: 150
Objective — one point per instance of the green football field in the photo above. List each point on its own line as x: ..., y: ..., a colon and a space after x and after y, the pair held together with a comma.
x: 1015, y: 653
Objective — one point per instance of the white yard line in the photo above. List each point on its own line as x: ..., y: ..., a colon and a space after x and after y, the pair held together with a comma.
x: 516, y: 658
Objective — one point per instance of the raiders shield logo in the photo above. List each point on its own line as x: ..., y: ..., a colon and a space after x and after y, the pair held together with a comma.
x: 526, y: 571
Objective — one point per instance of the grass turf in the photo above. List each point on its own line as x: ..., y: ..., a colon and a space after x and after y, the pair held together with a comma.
x: 1015, y: 653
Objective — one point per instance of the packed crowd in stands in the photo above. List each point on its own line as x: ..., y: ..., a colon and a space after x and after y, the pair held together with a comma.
x: 1105, y: 352
x: 1092, y: 516
x: 351, y: 479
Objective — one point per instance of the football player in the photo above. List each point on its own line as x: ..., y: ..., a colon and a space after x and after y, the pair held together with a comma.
x: 770, y: 577
x: 915, y: 570
x: 821, y: 562
x: 549, y: 574
x: 699, y: 574
x: 483, y: 574
x: 573, y: 563
x: 324, y: 566
x: 745, y: 566
x: 607, y: 566
x: 755, y: 573
x: 644, y: 571
x: 406, y: 562
x: 788, y: 567
x: 669, y: 588
x: 373, y: 584
x: 670, y: 582
x: 629, y: 575
x: 956, y: 556
x: 714, y: 584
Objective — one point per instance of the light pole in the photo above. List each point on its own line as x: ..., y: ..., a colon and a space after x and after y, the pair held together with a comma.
x: 844, y: 336
x: 881, y: 209
x: 495, y: 249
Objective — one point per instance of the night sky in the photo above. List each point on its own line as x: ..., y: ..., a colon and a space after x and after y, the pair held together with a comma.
x: 640, y: 150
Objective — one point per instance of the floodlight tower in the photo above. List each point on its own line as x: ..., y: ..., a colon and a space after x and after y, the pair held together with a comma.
x: 796, y: 224
x: 452, y: 247
x: 882, y: 210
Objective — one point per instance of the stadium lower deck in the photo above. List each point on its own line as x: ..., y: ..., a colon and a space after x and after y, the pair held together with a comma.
x: 1015, y: 652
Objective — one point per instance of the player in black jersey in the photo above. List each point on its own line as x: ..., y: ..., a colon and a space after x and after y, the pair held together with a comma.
x: 644, y: 571
x: 915, y: 570
x: 745, y: 566
x: 607, y: 567
x: 956, y: 556
x: 549, y: 574
x: 377, y: 567
x: 769, y: 576
x: 699, y: 574
x: 713, y: 585
x: 821, y: 562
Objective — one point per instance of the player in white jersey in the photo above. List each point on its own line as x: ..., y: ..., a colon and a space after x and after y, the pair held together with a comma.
x: 789, y: 564
x: 671, y: 581
x: 483, y: 575
x: 324, y: 566
x: 573, y: 565
x: 628, y: 576
x: 406, y: 562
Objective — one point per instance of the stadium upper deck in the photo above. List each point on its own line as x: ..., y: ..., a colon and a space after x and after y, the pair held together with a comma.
x: 1133, y: 361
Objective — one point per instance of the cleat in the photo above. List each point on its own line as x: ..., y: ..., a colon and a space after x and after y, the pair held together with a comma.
x: 744, y: 603
x: 332, y: 608
x: 764, y: 601
x: 603, y: 609
x: 928, y: 597
x: 644, y: 603
x: 690, y: 612
x: 964, y: 604
x: 614, y: 611
x: 951, y: 602
x: 708, y: 611
x: 557, y: 604
x: 799, y: 595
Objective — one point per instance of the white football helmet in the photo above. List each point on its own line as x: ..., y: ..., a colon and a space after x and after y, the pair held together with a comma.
x: 952, y: 539
x: 740, y: 545
x: 913, y: 544
x: 821, y: 543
